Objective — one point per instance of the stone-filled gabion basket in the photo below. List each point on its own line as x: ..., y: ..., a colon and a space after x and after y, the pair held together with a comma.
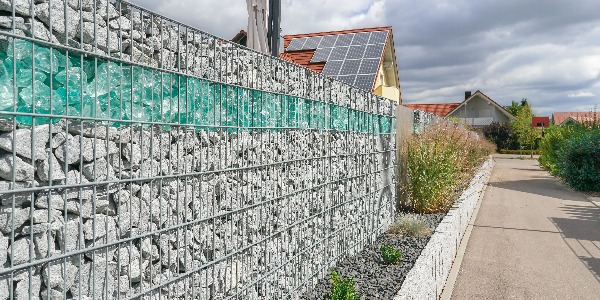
x: 142, y: 158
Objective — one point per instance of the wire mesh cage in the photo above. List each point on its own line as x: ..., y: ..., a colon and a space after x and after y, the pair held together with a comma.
x: 143, y: 158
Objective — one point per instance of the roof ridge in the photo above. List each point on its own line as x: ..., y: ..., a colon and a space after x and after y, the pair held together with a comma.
x: 342, y: 31
x: 432, y: 103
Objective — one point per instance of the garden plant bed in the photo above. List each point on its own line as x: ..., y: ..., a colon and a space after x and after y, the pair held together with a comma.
x: 376, y: 280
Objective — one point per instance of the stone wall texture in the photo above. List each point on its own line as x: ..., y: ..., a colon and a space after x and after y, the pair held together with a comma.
x: 141, y: 158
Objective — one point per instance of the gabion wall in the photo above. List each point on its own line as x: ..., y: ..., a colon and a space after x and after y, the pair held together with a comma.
x: 141, y: 158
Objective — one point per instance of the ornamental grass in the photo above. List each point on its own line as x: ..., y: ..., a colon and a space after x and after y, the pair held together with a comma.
x: 437, y: 162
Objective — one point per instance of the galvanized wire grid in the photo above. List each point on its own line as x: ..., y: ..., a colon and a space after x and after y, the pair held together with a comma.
x: 143, y: 158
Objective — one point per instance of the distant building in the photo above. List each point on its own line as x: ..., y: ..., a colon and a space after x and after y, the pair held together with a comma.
x: 364, y: 58
x: 543, y: 122
x: 241, y: 38
x: 476, y: 110
x: 565, y: 118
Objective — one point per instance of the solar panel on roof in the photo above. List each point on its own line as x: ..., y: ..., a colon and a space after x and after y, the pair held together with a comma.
x: 352, y: 57
x: 364, y: 82
x: 378, y: 37
x: 361, y: 38
x: 373, y: 51
x: 344, y: 40
x: 312, y: 42
x: 332, y: 68
x: 296, y: 44
x: 369, y: 66
x: 350, y: 66
x: 349, y: 79
x: 321, y: 55
x: 338, y: 53
x: 328, y: 41
x: 356, y: 52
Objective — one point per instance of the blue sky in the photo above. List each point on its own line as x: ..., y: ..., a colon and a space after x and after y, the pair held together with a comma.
x: 547, y: 51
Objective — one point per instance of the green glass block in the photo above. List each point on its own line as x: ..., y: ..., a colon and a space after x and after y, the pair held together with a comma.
x: 22, y: 49
x: 38, y: 94
x: 72, y: 96
x: 75, y: 75
x: 61, y: 58
x: 6, y: 70
x: 7, y: 96
x: 6, y: 85
x: 45, y: 60
x: 107, y: 77
x: 89, y: 67
x: 75, y: 59
x: 127, y: 79
x: 24, y: 77
x: 24, y: 108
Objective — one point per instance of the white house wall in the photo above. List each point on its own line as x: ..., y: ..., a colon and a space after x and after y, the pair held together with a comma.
x: 476, y: 108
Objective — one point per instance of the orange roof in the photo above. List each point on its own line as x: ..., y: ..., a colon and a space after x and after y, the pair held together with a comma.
x: 560, y: 117
x: 444, y: 109
x: 303, y: 58
x: 239, y: 35
x: 441, y: 109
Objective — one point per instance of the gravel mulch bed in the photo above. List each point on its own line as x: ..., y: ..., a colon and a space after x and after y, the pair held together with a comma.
x: 374, y: 279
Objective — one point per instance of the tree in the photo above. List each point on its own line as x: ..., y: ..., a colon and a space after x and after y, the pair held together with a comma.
x: 502, y: 135
x: 514, y: 107
x: 526, y: 134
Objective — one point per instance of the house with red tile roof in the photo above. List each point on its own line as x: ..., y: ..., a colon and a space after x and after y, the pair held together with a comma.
x: 364, y: 58
x: 561, y: 118
x: 477, y: 110
x: 542, y: 122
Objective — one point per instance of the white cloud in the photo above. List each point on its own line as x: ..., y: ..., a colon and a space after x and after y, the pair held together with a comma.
x: 581, y: 94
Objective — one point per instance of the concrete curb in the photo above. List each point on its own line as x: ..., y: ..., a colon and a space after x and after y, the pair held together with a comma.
x: 428, y: 276
x: 594, y: 200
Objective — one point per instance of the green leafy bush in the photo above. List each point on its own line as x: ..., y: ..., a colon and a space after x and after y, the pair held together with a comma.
x: 502, y: 135
x: 436, y: 162
x: 519, y: 152
x: 578, y: 161
x: 342, y: 288
x: 390, y: 255
x: 554, y: 140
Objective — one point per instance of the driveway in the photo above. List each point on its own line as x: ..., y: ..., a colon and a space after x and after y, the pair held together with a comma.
x: 533, y: 238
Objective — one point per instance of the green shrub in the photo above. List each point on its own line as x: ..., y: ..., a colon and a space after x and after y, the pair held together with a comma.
x: 436, y: 162
x: 502, y: 135
x: 519, y: 152
x: 390, y: 255
x: 342, y: 288
x: 409, y: 225
x: 578, y: 161
x: 553, y: 141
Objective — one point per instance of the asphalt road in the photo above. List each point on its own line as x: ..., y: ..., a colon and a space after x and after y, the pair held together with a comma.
x: 533, y: 238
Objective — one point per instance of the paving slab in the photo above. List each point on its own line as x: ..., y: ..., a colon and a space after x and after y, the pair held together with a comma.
x: 533, y: 238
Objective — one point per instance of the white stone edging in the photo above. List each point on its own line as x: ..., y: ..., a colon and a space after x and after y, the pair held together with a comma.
x: 428, y: 276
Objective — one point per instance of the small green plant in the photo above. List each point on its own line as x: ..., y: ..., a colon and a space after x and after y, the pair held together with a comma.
x: 409, y: 225
x: 342, y: 288
x: 390, y: 255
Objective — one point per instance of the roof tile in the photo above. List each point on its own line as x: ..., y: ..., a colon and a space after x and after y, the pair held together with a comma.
x: 559, y: 117
x: 441, y: 109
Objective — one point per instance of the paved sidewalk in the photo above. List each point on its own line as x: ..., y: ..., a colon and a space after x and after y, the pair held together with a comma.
x: 533, y: 239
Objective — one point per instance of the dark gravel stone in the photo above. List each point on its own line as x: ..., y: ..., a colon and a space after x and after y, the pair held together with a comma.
x: 373, y: 278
